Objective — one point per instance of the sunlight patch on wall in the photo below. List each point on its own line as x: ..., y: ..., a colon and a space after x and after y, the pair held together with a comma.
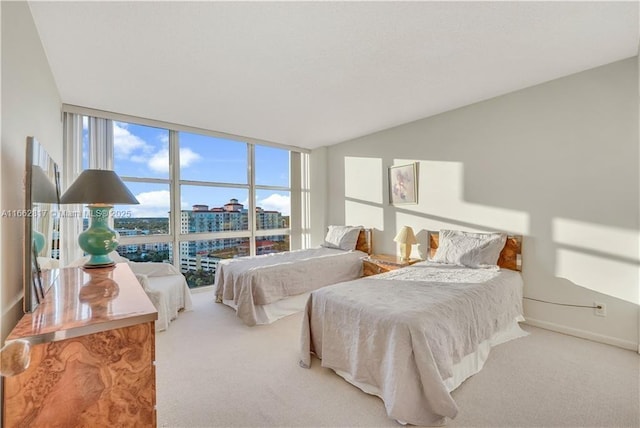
x: 440, y: 194
x: 612, y: 277
x: 363, y: 179
x: 356, y: 213
x: 614, y: 273
x: 604, y: 239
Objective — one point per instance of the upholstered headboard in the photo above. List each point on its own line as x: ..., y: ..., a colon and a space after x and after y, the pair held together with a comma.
x: 365, y: 241
x: 510, y: 256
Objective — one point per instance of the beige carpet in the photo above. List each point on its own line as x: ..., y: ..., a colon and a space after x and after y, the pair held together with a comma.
x: 213, y: 371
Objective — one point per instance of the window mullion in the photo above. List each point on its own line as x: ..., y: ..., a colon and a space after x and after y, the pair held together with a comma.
x: 175, y: 210
x: 295, y: 217
x: 146, y: 180
x: 251, y: 214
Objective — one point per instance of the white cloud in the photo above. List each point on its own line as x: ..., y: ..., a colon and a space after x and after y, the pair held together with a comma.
x: 187, y: 157
x: 125, y: 143
x: 159, y: 162
x: 155, y: 203
x: 276, y: 202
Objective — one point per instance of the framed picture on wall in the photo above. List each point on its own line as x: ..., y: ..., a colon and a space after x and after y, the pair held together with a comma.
x: 403, y: 184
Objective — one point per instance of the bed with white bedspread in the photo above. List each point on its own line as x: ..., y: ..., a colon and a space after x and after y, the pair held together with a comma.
x: 413, y: 335
x: 268, y: 287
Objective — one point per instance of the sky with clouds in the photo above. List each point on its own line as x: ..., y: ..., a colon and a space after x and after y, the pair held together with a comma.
x: 142, y: 151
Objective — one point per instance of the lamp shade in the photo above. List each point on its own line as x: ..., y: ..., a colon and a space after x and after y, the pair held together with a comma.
x: 98, y: 186
x: 406, y: 236
x: 43, y: 188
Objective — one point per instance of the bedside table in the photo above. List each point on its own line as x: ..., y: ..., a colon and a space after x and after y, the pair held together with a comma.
x: 380, y: 263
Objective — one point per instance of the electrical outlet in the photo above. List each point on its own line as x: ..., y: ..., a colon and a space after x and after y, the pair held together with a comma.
x: 600, y: 309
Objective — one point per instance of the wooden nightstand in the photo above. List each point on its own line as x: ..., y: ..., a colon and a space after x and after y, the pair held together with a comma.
x: 380, y: 263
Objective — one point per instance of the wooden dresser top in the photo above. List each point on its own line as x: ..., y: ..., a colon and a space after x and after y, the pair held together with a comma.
x: 86, y: 301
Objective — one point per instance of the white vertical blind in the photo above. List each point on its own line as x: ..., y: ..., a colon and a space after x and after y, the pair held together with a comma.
x: 71, y: 226
x: 100, y: 143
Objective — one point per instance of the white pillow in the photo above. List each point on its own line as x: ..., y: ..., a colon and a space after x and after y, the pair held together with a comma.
x: 342, y: 237
x: 470, y: 249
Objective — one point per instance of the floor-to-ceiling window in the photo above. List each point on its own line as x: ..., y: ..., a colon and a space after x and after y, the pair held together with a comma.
x: 141, y: 159
x: 273, y: 199
x: 204, y: 196
x: 214, y: 186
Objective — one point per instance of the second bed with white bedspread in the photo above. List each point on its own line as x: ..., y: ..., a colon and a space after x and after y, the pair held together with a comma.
x: 249, y: 283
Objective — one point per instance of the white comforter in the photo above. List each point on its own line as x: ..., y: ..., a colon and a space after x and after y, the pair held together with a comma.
x: 261, y: 280
x: 402, y: 332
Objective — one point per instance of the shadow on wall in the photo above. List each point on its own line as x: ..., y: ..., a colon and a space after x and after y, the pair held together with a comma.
x: 557, y: 163
x: 566, y: 261
x: 598, y: 257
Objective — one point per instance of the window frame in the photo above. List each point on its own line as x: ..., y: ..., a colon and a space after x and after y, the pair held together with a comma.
x: 297, y: 183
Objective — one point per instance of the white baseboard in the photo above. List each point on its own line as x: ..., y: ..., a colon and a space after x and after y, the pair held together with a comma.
x: 625, y: 344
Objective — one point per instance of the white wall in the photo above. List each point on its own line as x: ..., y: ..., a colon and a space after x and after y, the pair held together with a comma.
x: 318, y: 183
x: 30, y: 106
x: 557, y: 163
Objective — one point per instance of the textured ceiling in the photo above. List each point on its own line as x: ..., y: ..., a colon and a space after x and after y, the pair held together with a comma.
x: 318, y: 73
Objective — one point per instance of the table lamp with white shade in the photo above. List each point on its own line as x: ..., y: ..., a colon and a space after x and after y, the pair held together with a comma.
x: 406, y: 239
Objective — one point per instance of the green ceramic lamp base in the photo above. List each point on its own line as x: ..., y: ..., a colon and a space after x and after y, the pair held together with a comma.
x: 99, y: 239
x: 39, y: 241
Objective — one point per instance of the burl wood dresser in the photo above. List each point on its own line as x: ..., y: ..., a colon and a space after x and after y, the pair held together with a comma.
x: 92, y: 354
